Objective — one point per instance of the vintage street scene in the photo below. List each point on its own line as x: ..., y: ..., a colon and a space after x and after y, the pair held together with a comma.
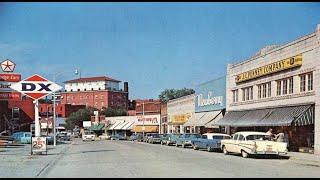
x: 159, y: 90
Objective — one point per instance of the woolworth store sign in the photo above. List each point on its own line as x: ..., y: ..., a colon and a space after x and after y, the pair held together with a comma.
x: 270, y: 68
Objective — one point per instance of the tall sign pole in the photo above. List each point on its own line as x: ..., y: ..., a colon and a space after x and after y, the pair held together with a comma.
x: 36, y: 87
x: 54, y: 120
x: 36, y: 118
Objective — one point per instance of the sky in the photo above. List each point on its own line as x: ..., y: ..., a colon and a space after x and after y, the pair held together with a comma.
x: 152, y: 46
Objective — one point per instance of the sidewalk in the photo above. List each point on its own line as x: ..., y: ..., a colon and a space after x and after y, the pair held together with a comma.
x: 305, y: 158
x: 17, y: 161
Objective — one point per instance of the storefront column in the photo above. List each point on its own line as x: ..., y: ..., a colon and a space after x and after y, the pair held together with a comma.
x: 317, y: 105
x: 181, y: 129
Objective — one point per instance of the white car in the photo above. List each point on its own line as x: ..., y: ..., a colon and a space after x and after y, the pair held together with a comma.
x: 88, y: 135
x: 252, y: 143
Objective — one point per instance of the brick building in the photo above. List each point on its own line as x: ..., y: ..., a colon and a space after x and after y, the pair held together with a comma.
x: 97, y: 92
x: 22, y: 112
x: 149, y: 106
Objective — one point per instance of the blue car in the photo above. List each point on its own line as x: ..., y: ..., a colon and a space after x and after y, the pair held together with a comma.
x: 185, y: 139
x: 209, y: 141
x: 22, y: 137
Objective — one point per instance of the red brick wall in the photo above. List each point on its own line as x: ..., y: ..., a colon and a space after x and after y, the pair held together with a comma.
x: 62, y: 110
x: 26, y: 107
x: 150, y: 107
x: 97, y: 99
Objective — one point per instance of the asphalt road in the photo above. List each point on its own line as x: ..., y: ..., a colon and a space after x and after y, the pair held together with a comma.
x: 124, y: 159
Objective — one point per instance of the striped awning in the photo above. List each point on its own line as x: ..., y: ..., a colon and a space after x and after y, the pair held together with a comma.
x: 202, y: 118
x: 115, y: 124
x: 128, y: 126
x: 121, y: 125
x: 281, y: 116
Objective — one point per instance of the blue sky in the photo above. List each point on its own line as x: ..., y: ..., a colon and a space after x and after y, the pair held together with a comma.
x: 153, y: 46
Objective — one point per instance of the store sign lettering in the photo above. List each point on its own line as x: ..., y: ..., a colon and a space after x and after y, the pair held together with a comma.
x: 270, y: 68
x: 209, y: 100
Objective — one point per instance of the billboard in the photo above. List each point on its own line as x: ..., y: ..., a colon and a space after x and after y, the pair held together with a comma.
x: 211, y: 96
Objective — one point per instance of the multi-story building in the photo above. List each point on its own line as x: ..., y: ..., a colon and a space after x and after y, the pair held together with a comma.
x: 97, y: 92
x: 278, y: 88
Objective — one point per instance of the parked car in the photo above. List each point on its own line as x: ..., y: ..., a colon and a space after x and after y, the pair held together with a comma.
x: 154, y: 138
x: 88, y: 135
x: 136, y: 137
x: 209, y: 141
x: 253, y: 143
x: 147, y: 137
x: 63, y: 136
x: 21, y: 137
x: 105, y: 137
x: 118, y: 137
x: 170, y: 139
x: 185, y: 139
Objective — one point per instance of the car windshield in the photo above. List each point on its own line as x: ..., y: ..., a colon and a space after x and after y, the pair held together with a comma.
x: 258, y: 137
x: 194, y: 136
x: 220, y: 137
x: 156, y: 135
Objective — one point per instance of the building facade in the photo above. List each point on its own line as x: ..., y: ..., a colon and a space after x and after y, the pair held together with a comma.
x: 210, y: 104
x: 97, y: 92
x: 163, y: 118
x: 179, y: 111
x: 278, y: 88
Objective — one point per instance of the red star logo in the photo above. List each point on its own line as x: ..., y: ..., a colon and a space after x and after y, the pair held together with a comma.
x: 8, y: 66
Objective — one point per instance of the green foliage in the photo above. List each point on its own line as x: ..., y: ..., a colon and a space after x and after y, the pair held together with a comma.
x: 169, y: 94
x: 110, y: 112
x: 76, y: 118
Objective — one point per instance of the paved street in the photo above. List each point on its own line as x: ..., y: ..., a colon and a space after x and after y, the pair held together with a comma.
x: 135, y: 159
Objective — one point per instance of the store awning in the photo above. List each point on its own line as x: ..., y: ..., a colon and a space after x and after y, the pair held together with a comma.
x: 201, y: 119
x: 212, y: 124
x: 115, y: 124
x: 147, y: 129
x: 97, y: 127
x: 281, y: 116
x: 193, y: 121
x: 121, y: 125
x: 128, y: 126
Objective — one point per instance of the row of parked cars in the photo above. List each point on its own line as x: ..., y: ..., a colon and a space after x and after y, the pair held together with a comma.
x: 25, y: 137
x: 246, y: 143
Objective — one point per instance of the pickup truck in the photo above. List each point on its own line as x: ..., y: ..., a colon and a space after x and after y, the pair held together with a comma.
x: 209, y: 141
x: 253, y: 143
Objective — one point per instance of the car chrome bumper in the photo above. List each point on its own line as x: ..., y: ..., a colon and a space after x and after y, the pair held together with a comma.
x: 271, y: 152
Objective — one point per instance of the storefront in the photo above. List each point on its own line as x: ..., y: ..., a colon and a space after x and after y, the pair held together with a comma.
x: 179, y: 111
x: 147, y: 124
x: 210, y: 103
x: 278, y: 88
x: 121, y: 125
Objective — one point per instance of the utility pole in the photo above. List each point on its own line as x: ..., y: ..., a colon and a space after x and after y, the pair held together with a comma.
x: 143, y: 119
x: 54, y: 115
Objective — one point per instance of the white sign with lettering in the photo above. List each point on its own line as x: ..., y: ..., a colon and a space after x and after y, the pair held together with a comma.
x: 210, y: 100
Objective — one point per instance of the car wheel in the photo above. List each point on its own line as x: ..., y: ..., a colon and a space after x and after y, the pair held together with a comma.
x: 161, y: 143
x: 244, y: 154
x: 168, y: 143
x: 209, y: 149
x: 225, y: 150
x: 195, y: 147
x: 177, y: 145
x: 182, y: 145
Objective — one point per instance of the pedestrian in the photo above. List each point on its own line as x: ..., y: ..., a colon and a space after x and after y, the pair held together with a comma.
x: 269, y: 132
x: 280, y: 137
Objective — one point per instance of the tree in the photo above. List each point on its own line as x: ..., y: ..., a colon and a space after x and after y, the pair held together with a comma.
x: 76, y: 118
x: 169, y: 94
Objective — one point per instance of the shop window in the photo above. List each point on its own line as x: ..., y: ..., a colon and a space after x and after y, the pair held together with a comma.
x: 278, y: 88
x: 243, y: 95
x: 284, y: 86
x: 264, y: 90
x: 302, y: 83
x: 269, y: 89
x: 235, y: 95
x: 290, y: 85
x: 259, y: 91
x: 310, y: 81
